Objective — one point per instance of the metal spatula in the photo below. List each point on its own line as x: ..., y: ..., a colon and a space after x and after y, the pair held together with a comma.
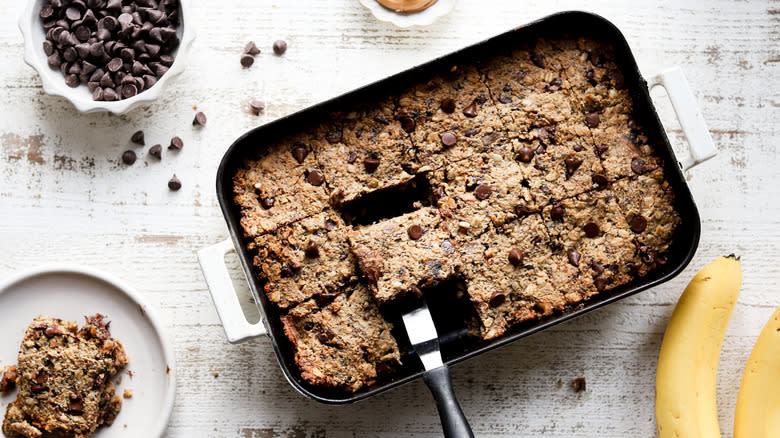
x: 425, y: 341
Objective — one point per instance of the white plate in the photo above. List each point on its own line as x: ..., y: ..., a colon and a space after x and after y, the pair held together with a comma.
x: 69, y: 293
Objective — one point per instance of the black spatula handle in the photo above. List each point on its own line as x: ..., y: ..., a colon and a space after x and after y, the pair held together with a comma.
x: 453, y: 421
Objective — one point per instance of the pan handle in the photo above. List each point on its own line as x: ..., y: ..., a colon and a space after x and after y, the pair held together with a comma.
x: 701, y: 146
x: 453, y: 422
x: 212, y: 263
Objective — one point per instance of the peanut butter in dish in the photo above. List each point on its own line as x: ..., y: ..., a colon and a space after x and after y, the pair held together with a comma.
x: 406, y: 5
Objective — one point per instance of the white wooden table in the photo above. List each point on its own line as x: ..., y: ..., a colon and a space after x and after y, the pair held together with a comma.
x: 65, y: 196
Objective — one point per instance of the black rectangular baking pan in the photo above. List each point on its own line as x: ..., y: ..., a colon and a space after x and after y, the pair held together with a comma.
x: 457, y: 348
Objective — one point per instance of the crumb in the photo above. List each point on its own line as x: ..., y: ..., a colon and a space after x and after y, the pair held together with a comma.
x: 167, y: 369
x: 128, y: 393
x: 130, y: 374
x: 215, y: 374
x: 119, y: 380
x: 559, y: 383
x: 8, y: 379
x: 578, y: 384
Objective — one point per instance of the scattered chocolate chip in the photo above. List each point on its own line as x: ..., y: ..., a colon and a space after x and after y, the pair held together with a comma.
x: 591, y: 229
x: 280, y: 46
x: 633, y: 268
x: 556, y: 212
x: 200, y: 119
x: 312, y: 249
x: 574, y: 258
x: 156, y: 151
x: 578, y: 384
x: 330, y: 225
x: 75, y: 405
x: 482, y: 192
x: 470, y: 111
x: 472, y: 132
x: 638, y: 224
x: 51, y: 332
x: 380, y: 118
x: 632, y: 124
x: 448, y: 139
x: 299, y: 152
x: 525, y: 154
x: 488, y: 139
x: 592, y: 120
x: 415, y: 232
x: 599, y: 179
x: 37, y: 389
x: 371, y: 164
x: 247, y: 60
x: 408, y: 124
x: 639, y: 166
x: 315, y: 178
x: 334, y: 136
x: 503, y: 98
x: 601, y: 282
x: 174, y: 183
x: 497, y: 299
x: 325, y: 336
x: 257, y: 106
x: 522, y: 211
x: 176, y: 143
x: 578, y: 147
x: 572, y: 164
x: 447, y: 105
x: 516, y: 257
x: 128, y: 157
x: 555, y: 82
x: 538, y: 59
x: 352, y: 157
x: 267, y: 203
x: 251, y: 48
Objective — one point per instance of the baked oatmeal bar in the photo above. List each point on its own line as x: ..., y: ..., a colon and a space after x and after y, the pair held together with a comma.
x: 344, y: 344
x: 401, y: 255
x: 64, y: 379
x: 303, y: 259
x: 282, y: 185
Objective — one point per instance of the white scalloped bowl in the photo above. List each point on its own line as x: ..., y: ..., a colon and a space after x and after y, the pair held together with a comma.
x: 422, y: 18
x: 53, y: 81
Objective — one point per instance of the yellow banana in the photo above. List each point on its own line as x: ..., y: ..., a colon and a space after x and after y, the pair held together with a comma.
x: 758, y: 404
x: 685, y: 404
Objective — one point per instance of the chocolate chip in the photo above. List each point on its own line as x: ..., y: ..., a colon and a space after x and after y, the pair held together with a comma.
x: 176, y: 143
x: 37, y: 389
x: 325, y: 336
x: 556, y: 212
x: 51, y: 332
x: 371, y: 164
x: 592, y: 120
x: 574, y: 258
x: 599, y: 179
x: 639, y: 166
x: 447, y: 105
x: 497, y: 299
x: 472, y: 132
x: 488, y: 139
x: 72, y: 81
x: 601, y: 282
x: 632, y: 124
x: 572, y: 164
x: 280, y: 47
x: 156, y: 151
x: 516, y: 257
x: 503, y: 98
x: 578, y: 384
x: 174, y: 183
x: 129, y: 90
x: 315, y: 178
x: 257, y: 106
x: 538, y: 59
x: 330, y: 225
x: 251, y: 48
x: 525, y: 154
x: 128, y: 157
x: 415, y: 232
x: 470, y: 111
x: 448, y: 139
x: 352, y: 157
x: 299, y: 152
x: 555, y: 82
x: 267, y: 203
x: 200, y: 119
x: 617, y: 78
x: 334, y: 136
x: 483, y: 192
x: 638, y: 224
x: 591, y: 229
x: 247, y: 60
x: 408, y: 124
x: 633, y: 268
x: 522, y: 211
x: 597, y: 267
x: 578, y: 148
x: 380, y: 118
x: 46, y: 11
x: 312, y: 249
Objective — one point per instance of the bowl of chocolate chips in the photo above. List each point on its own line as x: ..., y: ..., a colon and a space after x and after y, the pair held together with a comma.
x: 106, y: 55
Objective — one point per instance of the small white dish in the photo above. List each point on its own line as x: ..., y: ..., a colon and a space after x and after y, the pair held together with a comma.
x: 404, y: 20
x: 70, y: 292
x: 54, y: 82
